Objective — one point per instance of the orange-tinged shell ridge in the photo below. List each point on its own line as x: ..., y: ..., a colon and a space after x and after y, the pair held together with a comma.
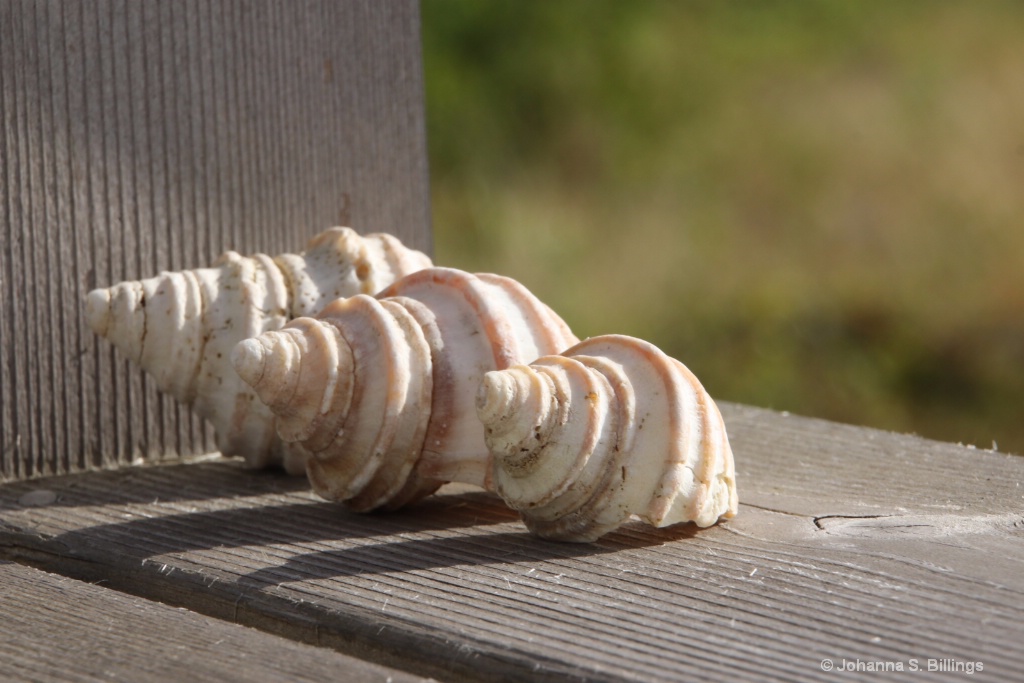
x: 380, y: 391
x: 609, y: 429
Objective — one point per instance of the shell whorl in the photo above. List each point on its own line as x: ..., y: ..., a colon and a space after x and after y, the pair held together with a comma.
x: 610, y: 428
x: 181, y: 327
x: 349, y: 388
x: 408, y: 364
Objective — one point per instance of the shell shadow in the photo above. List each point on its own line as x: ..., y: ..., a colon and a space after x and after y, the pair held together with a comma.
x: 497, y: 546
x: 471, y: 528
x: 292, y: 523
x: 164, y: 482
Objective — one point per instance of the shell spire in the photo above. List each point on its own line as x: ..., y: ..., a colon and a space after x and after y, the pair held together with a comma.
x: 608, y: 429
x: 181, y: 327
x: 380, y: 391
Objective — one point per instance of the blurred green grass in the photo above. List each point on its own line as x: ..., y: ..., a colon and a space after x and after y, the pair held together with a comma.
x: 817, y: 206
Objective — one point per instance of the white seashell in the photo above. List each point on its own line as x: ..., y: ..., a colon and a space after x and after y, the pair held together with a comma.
x: 610, y: 428
x: 381, y: 391
x: 181, y: 326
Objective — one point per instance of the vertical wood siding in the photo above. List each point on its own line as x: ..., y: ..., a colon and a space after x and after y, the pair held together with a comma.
x: 139, y: 136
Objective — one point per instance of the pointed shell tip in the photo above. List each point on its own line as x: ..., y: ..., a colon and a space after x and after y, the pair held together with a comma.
x: 249, y: 359
x: 97, y: 311
x: 493, y: 397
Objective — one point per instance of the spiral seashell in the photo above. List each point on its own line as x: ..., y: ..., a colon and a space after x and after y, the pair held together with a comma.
x: 380, y: 391
x: 181, y: 326
x: 610, y: 428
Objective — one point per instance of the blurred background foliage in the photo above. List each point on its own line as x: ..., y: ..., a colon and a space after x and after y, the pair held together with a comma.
x: 816, y: 205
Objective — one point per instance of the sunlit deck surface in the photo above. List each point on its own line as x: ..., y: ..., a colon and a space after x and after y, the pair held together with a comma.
x: 855, y: 546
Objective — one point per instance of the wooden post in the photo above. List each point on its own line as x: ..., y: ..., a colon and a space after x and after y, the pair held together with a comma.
x: 143, y: 136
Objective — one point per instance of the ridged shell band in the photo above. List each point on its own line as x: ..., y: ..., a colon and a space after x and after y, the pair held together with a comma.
x: 416, y: 355
x: 181, y: 327
x: 609, y: 429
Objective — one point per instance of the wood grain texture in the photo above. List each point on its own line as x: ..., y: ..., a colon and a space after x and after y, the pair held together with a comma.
x: 850, y: 544
x: 142, y: 136
x: 102, y: 634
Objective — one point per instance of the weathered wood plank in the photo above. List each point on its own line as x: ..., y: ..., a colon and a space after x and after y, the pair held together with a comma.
x: 142, y: 136
x: 850, y: 544
x: 59, y: 629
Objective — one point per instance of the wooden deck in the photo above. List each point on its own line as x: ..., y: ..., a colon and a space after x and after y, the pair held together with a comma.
x: 855, y: 546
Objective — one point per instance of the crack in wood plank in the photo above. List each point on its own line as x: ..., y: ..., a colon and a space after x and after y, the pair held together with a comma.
x: 934, y: 524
